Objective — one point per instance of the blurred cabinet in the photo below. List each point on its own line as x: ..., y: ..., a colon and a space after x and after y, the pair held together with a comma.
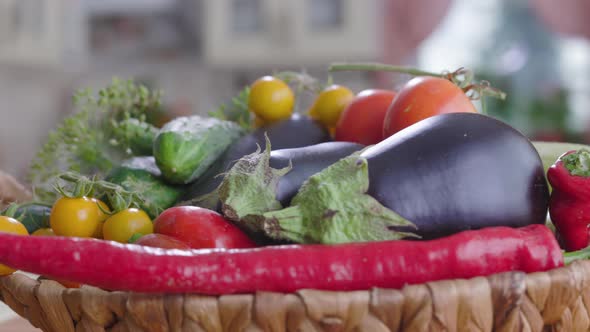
x: 30, y: 31
x: 274, y: 32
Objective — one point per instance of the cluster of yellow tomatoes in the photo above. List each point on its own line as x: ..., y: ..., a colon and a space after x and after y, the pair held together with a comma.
x: 85, y: 217
x: 91, y: 217
x: 271, y: 100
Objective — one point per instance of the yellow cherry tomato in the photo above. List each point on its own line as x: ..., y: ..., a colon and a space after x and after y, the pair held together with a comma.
x: 79, y: 217
x: 271, y: 99
x: 258, y: 122
x: 44, y: 232
x: 10, y: 225
x: 122, y: 225
x: 330, y: 103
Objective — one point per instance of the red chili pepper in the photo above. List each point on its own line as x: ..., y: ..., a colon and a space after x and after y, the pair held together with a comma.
x: 569, y: 206
x: 352, y: 266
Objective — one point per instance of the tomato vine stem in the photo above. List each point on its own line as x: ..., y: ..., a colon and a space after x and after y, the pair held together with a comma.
x: 372, y: 66
x: 461, y: 77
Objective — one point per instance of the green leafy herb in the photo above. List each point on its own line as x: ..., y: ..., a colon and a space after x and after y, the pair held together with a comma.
x: 236, y: 110
x: 92, y: 141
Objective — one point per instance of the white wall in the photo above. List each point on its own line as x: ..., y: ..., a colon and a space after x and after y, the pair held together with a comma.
x: 29, y: 105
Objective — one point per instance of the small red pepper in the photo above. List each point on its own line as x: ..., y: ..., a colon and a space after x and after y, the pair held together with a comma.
x: 351, y: 266
x: 569, y: 206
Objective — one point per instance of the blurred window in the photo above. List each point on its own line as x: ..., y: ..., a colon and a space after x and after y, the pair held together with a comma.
x: 31, y: 18
x: 545, y: 74
x: 246, y: 16
x: 325, y: 14
x: 22, y: 20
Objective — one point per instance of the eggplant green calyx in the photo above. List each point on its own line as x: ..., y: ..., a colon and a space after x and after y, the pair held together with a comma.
x: 249, y: 189
x: 578, y: 162
x: 332, y: 207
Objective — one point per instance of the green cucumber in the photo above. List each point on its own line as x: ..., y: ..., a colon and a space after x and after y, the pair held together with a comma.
x: 147, y: 163
x: 138, y: 176
x: 187, y: 146
x: 138, y: 135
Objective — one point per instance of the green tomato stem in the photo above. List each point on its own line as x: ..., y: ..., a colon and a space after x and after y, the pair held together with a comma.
x: 484, y: 89
x: 371, y: 66
x: 118, y: 197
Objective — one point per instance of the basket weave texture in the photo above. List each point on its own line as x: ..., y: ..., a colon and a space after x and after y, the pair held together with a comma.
x: 557, y: 300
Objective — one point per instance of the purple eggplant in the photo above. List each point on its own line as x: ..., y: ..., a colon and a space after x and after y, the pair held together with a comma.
x: 306, y: 162
x: 457, y: 172
x: 442, y: 175
x: 298, y: 131
x: 272, y: 178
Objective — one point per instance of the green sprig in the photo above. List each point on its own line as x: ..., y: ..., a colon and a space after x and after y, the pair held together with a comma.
x: 236, y: 110
x: 89, y: 141
x: 71, y: 184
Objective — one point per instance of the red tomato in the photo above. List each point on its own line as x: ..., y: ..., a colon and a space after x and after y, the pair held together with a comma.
x: 362, y: 120
x: 68, y: 284
x: 161, y: 241
x: 201, y: 228
x: 423, y: 97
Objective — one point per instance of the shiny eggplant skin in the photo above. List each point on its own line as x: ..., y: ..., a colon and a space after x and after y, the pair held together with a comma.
x: 306, y: 161
x: 461, y: 171
x: 298, y: 131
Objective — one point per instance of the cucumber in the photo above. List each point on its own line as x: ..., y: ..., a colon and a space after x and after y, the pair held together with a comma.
x: 147, y: 163
x: 33, y: 215
x: 138, y: 135
x: 187, y: 146
x: 156, y: 195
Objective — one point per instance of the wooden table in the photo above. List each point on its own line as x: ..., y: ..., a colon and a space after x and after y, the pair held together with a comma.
x: 11, y: 322
x: 17, y: 325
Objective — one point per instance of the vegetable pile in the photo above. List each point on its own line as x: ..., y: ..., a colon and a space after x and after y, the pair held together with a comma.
x: 381, y: 188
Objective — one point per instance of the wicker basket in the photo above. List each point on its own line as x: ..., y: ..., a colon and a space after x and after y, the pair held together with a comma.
x: 557, y: 300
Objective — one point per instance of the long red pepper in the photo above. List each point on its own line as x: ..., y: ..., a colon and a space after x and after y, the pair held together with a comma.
x: 354, y: 266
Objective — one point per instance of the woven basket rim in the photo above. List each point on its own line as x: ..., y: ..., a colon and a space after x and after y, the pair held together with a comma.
x: 505, y: 301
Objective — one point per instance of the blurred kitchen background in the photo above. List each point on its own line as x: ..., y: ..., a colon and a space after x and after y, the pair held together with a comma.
x: 201, y: 52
